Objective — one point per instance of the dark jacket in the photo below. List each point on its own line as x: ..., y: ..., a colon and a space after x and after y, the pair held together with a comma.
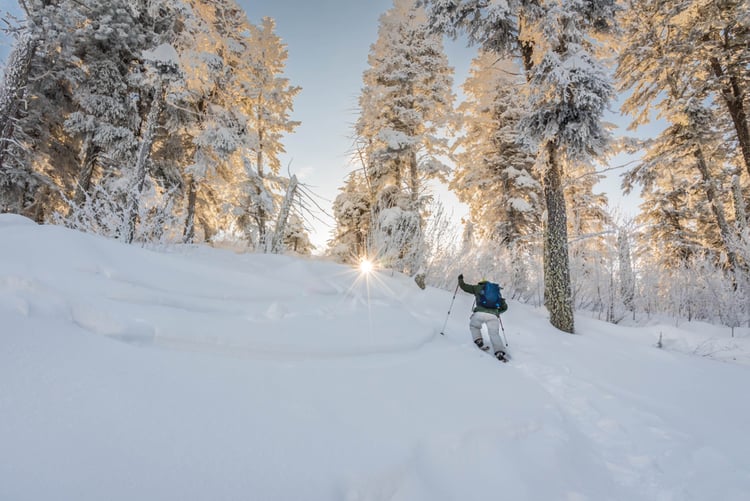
x: 477, y: 290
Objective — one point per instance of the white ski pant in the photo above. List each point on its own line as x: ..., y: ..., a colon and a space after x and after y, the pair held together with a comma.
x: 479, y: 318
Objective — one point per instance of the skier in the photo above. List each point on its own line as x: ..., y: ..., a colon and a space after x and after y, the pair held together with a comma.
x: 487, y: 312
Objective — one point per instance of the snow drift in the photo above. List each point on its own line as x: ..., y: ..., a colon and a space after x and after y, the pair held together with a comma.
x: 196, y: 373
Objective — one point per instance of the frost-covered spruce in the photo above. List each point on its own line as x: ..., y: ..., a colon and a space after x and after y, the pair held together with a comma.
x: 567, y: 92
x: 691, y: 77
x: 405, y: 103
x: 495, y: 174
x: 12, y: 91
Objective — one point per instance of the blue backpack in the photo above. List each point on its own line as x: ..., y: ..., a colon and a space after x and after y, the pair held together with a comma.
x: 490, y: 297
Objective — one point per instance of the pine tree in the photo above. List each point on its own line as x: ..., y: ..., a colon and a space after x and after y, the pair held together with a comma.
x: 165, y: 64
x: 242, y: 106
x: 267, y: 101
x: 28, y: 100
x: 215, y: 136
x: 567, y: 92
x: 108, y: 42
x: 14, y: 175
x: 715, y: 41
x: 85, y: 94
x: 658, y: 63
x: 352, y: 210
x: 626, y: 275
x: 405, y: 103
x: 494, y: 174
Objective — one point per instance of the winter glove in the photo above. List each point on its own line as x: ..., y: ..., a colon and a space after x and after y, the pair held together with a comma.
x: 461, y: 277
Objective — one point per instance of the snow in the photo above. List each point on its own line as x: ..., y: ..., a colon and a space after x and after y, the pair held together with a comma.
x: 396, y: 140
x: 194, y: 373
x: 163, y: 53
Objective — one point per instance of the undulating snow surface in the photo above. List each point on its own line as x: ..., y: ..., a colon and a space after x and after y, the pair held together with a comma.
x: 200, y: 374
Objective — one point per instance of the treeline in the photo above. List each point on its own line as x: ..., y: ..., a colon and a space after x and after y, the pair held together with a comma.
x: 154, y: 120
x: 149, y: 120
x: 529, y: 143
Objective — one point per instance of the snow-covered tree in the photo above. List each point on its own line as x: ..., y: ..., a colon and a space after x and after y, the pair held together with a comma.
x: 711, y: 39
x: 625, y: 266
x: 352, y: 211
x: 214, y: 134
x: 494, y: 174
x: 30, y: 100
x: 405, y: 104
x: 689, y: 157
x: 86, y: 96
x: 567, y: 92
x: 164, y: 64
x: 14, y: 175
x: 96, y: 111
x: 267, y: 101
x: 296, y: 237
x: 107, y: 45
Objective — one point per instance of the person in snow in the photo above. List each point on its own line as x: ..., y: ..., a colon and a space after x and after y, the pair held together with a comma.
x: 485, y: 315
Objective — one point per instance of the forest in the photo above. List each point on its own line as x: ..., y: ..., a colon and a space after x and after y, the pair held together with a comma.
x: 162, y: 122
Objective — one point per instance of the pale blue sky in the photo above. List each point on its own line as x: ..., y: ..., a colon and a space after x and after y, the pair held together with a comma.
x: 328, y: 42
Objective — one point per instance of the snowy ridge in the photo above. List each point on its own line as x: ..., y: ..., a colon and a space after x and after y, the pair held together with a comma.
x: 201, y: 374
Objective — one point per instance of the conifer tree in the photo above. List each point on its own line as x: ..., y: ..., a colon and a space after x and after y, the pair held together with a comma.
x: 495, y: 172
x: 714, y: 38
x: 267, y: 101
x: 216, y: 139
x: 26, y: 130
x: 15, y: 175
x: 567, y: 92
x: 352, y: 211
x: 85, y: 95
x: 405, y: 102
x: 658, y: 63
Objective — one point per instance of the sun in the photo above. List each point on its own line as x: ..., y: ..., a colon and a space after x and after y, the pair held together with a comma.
x: 366, y: 266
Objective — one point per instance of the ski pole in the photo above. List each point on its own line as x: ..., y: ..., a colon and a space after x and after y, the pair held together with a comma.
x: 449, y: 311
x: 503, y: 329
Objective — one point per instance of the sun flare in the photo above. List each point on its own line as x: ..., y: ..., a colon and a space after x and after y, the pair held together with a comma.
x: 366, y: 266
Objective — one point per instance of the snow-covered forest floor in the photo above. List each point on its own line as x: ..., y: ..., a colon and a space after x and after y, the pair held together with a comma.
x: 194, y: 373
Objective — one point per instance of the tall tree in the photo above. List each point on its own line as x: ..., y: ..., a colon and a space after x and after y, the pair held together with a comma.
x: 13, y: 174
x: 214, y: 49
x: 32, y: 75
x: 715, y: 38
x: 85, y: 92
x: 658, y: 64
x: 405, y: 103
x: 495, y: 172
x: 268, y: 100
x: 567, y: 92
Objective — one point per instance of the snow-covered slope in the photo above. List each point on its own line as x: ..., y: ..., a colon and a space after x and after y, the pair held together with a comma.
x: 200, y: 374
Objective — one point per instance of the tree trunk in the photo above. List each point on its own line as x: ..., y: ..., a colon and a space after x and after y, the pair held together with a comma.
x: 627, y: 278
x: 740, y: 208
x: 413, y: 180
x: 557, y: 288
x: 88, y: 161
x: 148, y: 135
x: 278, y: 237
x: 717, y: 207
x: 261, y: 216
x: 208, y: 230
x: 734, y: 97
x: 192, y: 194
